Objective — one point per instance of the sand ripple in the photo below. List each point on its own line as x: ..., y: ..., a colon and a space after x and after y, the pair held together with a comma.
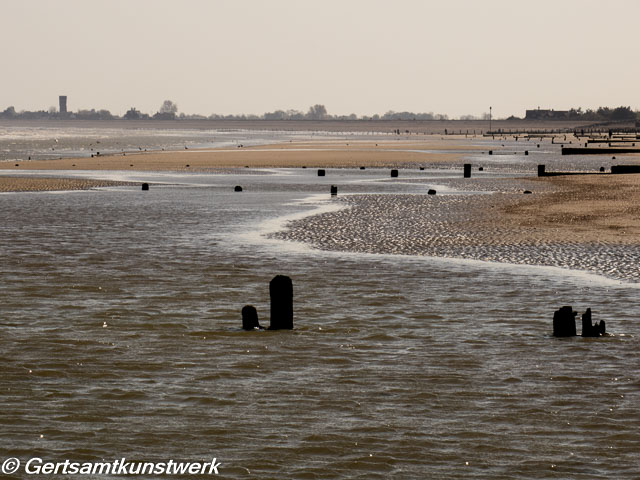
x: 456, y: 226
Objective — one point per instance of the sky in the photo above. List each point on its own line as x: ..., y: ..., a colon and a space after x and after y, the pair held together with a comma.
x: 353, y: 56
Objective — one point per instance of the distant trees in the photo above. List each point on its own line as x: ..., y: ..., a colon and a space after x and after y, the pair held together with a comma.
x: 134, y: 114
x: 93, y: 114
x: 391, y: 115
x: 318, y: 112
x: 9, y: 112
x: 167, y: 111
x: 604, y: 114
x: 623, y: 113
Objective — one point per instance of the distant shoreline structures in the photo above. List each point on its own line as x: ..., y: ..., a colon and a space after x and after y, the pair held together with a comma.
x: 169, y: 111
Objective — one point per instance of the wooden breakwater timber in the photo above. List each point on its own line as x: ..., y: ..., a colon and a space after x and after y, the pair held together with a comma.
x: 615, y: 170
x: 621, y: 169
x: 598, y: 150
x: 564, y: 324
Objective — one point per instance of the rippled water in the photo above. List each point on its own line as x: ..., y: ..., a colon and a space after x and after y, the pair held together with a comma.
x: 119, y: 337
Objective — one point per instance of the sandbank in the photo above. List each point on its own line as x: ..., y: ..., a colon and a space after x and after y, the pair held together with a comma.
x: 589, y: 223
x: 310, y: 154
x: 583, y: 209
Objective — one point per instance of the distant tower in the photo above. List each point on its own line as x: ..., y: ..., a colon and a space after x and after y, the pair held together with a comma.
x: 63, y: 103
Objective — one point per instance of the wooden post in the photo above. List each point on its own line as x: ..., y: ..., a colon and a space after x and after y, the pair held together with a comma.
x: 281, y: 293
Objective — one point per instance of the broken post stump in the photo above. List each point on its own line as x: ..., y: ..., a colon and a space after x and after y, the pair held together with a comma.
x: 564, y: 322
x: 250, y: 318
x: 281, y: 293
x: 589, y: 330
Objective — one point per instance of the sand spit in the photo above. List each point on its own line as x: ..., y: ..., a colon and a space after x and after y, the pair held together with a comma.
x: 586, y: 223
x: 38, y: 184
x: 321, y: 153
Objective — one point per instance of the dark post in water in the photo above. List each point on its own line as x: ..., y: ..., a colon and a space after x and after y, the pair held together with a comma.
x: 564, y: 322
x: 467, y: 170
x: 250, y: 318
x: 589, y: 330
x: 281, y: 293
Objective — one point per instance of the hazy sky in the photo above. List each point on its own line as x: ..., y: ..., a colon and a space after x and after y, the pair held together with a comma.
x: 454, y: 57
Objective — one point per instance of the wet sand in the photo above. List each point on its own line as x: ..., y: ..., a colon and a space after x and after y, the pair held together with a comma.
x: 589, y: 221
x: 427, y: 150
x: 586, y: 222
x: 31, y: 184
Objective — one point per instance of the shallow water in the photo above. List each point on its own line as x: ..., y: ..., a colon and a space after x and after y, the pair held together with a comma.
x: 119, y: 337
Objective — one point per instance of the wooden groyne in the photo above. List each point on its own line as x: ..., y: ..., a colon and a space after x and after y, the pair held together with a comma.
x: 598, y: 150
x: 615, y: 170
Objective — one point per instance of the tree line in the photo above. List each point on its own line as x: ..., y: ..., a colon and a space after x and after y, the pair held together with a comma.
x: 169, y: 111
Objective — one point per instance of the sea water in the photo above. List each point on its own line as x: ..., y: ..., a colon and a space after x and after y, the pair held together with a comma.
x: 120, y: 338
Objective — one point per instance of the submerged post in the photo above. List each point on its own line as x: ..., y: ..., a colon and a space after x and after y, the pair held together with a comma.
x: 250, y: 318
x: 564, y: 322
x: 281, y: 293
x: 589, y: 330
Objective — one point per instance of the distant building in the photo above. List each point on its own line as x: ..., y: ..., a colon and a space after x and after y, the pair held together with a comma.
x: 547, y: 114
x: 63, y: 103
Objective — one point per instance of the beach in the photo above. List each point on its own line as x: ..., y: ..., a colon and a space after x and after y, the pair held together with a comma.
x: 422, y: 340
x: 573, y: 208
x: 322, y: 153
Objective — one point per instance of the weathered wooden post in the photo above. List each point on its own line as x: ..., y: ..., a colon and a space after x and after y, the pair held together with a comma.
x: 394, y: 173
x: 145, y: 186
x: 541, y: 170
x: 321, y: 173
x: 467, y: 170
x: 564, y: 322
x: 250, y: 318
x: 281, y: 293
x: 334, y: 190
x: 589, y: 330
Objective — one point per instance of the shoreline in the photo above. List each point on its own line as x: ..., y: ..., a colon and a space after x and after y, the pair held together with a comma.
x: 335, y: 126
x: 563, y: 216
x: 578, y: 223
x: 310, y: 153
